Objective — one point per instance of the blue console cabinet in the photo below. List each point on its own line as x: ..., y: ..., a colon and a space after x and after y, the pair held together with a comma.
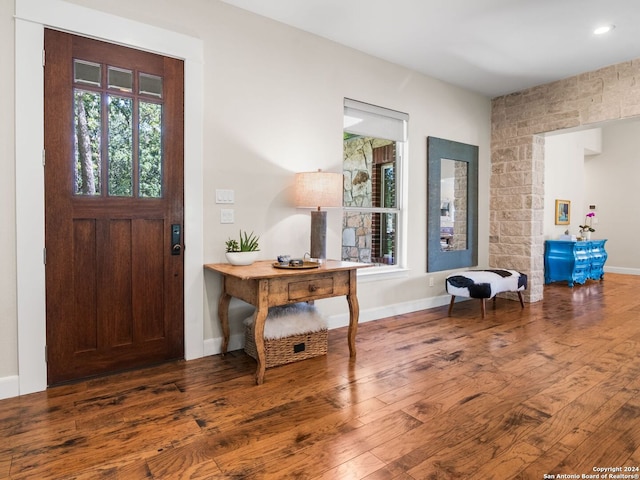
x: 575, y: 262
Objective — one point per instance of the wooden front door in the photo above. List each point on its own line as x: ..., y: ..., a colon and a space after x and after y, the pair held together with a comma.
x: 113, y: 207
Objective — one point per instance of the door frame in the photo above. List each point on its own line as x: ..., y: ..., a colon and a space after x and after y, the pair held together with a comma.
x: 32, y: 16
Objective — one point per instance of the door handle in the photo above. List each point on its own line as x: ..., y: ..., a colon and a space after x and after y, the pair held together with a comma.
x: 176, y: 239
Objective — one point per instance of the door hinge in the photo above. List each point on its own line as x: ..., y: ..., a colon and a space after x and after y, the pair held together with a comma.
x: 44, y: 157
x: 46, y: 354
x: 43, y: 57
x: 44, y: 255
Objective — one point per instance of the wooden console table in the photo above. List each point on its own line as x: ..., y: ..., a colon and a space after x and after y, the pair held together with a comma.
x: 263, y: 286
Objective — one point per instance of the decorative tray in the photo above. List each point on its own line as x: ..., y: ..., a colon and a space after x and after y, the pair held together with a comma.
x: 304, y: 266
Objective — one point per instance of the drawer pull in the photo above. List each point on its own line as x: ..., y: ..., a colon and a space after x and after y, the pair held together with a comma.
x: 312, y: 288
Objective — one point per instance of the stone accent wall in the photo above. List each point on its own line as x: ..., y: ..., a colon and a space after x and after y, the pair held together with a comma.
x: 517, y: 156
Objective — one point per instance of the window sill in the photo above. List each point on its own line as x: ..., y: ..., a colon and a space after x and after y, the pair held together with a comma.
x: 372, y: 274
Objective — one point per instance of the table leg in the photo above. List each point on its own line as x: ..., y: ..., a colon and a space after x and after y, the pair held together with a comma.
x: 223, y: 315
x: 354, y: 313
x: 259, y: 318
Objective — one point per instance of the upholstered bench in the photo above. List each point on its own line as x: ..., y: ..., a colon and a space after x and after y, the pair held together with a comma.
x: 485, y: 284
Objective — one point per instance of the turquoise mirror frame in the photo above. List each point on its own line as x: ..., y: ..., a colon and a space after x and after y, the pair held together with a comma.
x: 438, y: 259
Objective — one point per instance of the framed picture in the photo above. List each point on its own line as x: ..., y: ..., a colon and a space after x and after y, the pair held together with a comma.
x: 563, y: 212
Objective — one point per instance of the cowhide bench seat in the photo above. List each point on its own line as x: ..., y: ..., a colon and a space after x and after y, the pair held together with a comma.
x: 485, y: 284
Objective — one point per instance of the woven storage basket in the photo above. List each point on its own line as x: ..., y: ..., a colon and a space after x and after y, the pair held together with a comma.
x: 293, y: 347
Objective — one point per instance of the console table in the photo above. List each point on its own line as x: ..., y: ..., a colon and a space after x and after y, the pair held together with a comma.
x: 263, y: 286
x: 575, y: 262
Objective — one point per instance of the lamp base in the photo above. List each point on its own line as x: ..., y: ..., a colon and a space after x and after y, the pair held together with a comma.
x: 318, y: 235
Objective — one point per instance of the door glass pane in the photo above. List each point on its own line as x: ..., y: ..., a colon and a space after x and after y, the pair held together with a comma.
x: 150, y: 149
x: 87, y: 128
x: 120, y: 139
x: 88, y: 73
x: 120, y: 79
x: 150, y: 85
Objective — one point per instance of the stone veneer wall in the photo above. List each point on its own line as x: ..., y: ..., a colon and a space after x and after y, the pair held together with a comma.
x: 519, y: 121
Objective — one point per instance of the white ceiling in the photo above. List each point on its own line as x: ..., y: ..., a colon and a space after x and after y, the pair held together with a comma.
x: 493, y: 47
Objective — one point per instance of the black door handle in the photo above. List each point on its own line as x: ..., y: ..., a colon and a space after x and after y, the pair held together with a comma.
x: 176, y: 240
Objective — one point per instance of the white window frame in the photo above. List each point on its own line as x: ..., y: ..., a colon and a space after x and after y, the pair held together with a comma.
x: 384, y: 123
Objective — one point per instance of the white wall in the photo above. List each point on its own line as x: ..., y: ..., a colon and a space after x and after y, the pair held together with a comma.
x: 612, y: 182
x: 598, y: 167
x: 564, y: 177
x: 272, y: 106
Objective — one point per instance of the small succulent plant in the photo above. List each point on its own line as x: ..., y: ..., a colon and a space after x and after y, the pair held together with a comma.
x: 248, y: 242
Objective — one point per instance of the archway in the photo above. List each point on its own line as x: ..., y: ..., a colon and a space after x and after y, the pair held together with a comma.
x: 519, y: 121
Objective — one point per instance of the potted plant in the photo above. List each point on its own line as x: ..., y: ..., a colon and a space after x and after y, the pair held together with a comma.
x: 587, y: 228
x: 243, y: 251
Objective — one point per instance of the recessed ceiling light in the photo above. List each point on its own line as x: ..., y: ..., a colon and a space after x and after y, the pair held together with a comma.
x: 604, y: 29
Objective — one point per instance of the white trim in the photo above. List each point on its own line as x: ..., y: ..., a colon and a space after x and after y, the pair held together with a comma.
x: 9, y: 387
x: 342, y: 319
x: 32, y: 16
x: 622, y: 270
x: 213, y: 346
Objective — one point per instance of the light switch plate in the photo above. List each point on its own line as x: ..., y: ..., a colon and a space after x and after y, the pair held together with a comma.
x: 225, y: 196
x: 227, y: 215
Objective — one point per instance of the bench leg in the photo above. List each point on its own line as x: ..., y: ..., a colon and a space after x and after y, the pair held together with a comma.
x: 453, y: 299
x: 483, y: 307
x: 520, y: 297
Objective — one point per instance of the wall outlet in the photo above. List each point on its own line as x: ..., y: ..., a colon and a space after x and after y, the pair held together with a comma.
x: 431, y: 281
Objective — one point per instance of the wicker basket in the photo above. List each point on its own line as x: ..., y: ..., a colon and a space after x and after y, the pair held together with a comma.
x: 288, y: 349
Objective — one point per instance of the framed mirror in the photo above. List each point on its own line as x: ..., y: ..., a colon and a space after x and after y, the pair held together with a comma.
x: 452, y: 205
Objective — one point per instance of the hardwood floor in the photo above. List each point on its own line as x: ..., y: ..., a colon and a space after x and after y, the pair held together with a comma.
x: 548, y: 390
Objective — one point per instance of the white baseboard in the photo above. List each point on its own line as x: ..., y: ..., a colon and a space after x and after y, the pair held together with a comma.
x: 9, y: 387
x: 213, y: 346
x: 622, y: 270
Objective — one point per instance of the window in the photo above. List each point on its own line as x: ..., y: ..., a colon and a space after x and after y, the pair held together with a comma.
x: 374, y: 142
x: 121, y: 149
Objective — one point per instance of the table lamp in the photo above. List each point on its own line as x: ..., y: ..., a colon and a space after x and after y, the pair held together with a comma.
x: 316, y: 190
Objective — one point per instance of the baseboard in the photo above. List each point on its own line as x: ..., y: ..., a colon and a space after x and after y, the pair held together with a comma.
x: 622, y: 270
x: 213, y: 346
x: 9, y: 387
x: 342, y: 320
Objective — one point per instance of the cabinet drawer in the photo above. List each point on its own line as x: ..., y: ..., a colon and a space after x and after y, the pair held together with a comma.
x: 582, y: 262
x: 581, y: 248
x: 309, y: 288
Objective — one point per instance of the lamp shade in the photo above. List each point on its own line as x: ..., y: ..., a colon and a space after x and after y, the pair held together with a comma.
x: 318, y: 189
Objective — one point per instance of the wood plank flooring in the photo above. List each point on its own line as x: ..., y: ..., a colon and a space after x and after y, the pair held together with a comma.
x: 552, y: 389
